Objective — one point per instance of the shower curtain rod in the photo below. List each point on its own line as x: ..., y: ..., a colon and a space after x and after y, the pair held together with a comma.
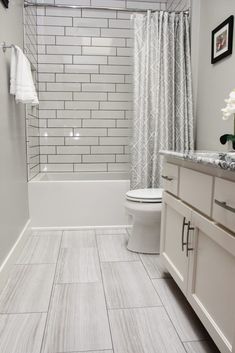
x: 27, y: 4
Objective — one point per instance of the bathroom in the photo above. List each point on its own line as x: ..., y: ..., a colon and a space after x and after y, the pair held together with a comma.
x: 87, y: 262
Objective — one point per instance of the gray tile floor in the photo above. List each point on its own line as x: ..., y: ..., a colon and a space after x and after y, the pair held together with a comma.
x: 84, y: 292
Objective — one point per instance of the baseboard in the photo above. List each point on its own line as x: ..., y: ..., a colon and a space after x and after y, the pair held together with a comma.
x: 12, y: 256
x: 83, y: 227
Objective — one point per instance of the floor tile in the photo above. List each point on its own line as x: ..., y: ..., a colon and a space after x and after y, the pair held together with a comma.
x: 154, y: 266
x: 184, y: 319
x: 78, y: 239
x: 27, y: 251
x: 78, y: 265
x: 46, y: 250
x: 110, y: 231
x: 28, y: 289
x: 41, y: 233
x: 201, y: 347
x: 145, y: 330
x: 105, y: 351
x: 113, y: 248
x: 21, y: 333
x: 128, y: 286
x: 77, y: 319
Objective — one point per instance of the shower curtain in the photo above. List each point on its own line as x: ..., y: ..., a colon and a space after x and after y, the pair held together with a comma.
x: 163, y: 112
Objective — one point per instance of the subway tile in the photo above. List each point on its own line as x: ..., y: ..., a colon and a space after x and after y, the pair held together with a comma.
x: 116, y: 105
x: 50, y: 141
x: 54, y: 21
x: 119, y: 60
x: 47, y: 114
x: 116, y: 32
x: 69, y: 86
x: 90, y: 96
x: 124, y: 123
x: 115, y: 69
x: 73, y: 2
x: 98, y: 123
x: 64, y: 158
x: 90, y: 22
x: 47, y: 96
x: 124, y: 15
x: 108, y: 42
x: 82, y: 105
x: 90, y: 69
x: 46, y: 39
x: 118, y: 167
x: 46, y: 77
x: 65, y: 40
x: 99, y: 51
x: 61, y: 12
x: 119, y: 23
x: 128, y: 79
x: 98, y: 87
x: 47, y: 150
x: 106, y: 149
x: 123, y: 158
x: 112, y: 3
x: 107, y: 78
x: 55, y: 132
x: 64, y: 123
x: 107, y: 114
x: 51, y: 105
x: 98, y: 158
x: 120, y: 97
x: 54, y: 59
x: 72, y: 78
x: 49, y: 30
x: 119, y: 132
x: 56, y: 167
x: 143, y: 5
x: 82, y: 141
x: 82, y: 32
x: 50, y: 68
x: 90, y: 132
x: 124, y: 87
x: 98, y: 13
x: 100, y: 167
x: 73, y: 150
x: 71, y: 114
x: 86, y: 59
x: 41, y: 49
x: 125, y: 52
x: 129, y: 42
x: 41, y: 86
x: 114, y: 141
x: 63, y: 49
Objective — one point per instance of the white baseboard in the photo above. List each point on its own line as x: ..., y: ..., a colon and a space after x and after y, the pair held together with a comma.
x: 12, y: 256
x: 83, y: 227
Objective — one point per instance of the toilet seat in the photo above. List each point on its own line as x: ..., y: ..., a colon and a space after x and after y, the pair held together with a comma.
x: 145, y: 195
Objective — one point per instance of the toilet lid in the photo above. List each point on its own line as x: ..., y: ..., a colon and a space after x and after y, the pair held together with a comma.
x: 145, y: 195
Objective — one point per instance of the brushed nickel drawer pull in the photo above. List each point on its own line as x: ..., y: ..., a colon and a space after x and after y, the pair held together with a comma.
x: 183, y: 243
x: 167, y: 178
x: 224, y: 205
x: 187, y: 247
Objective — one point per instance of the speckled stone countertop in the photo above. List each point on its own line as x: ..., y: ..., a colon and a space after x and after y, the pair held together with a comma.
x: 225, y: 161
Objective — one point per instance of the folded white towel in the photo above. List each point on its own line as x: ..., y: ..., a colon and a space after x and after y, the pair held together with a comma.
x: 22, y: 86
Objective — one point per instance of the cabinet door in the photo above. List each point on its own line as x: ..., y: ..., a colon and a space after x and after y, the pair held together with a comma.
x: 211, y: 289
x: 175, y: 217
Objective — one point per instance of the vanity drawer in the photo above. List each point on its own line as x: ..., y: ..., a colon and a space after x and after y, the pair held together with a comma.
x: 196, y: 189
x: 224, y: 203
x: 170, y: 177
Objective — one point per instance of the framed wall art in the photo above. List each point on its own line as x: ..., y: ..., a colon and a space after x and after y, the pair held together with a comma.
x: 222, y: 40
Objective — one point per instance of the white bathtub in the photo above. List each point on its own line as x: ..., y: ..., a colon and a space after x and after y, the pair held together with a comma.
x: 71, y: 200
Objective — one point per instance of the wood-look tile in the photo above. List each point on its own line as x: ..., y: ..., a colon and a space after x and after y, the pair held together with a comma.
x: 201, y: 347
x: 143, y: 330
x: 78, y: 265
x: 184, y: 319
x: 154, y: 266
x: 21, y: 333
x: 113, y: 248
x: 41, y: 233
x: 77, y: 319
x: 110, y: 231
x: 128, y: 286
x: 78, y: 239
x: 28, y: 289
x: 105, y: 351
x: 27, y: 251
x: 46, y: 250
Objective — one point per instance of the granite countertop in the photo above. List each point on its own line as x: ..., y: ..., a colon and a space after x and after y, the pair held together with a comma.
x: 225, y: 161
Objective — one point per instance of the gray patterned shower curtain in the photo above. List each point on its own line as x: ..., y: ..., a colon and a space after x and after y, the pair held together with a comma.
x: 163, y: 111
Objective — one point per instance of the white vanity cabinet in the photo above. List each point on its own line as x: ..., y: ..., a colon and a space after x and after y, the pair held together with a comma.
x: 200, y: 255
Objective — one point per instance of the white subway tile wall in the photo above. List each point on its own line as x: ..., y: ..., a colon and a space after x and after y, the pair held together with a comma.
x: 178, y: 5
x: 32, y: 113
x: 85, y: 85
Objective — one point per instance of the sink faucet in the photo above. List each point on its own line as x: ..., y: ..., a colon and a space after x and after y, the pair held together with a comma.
x: 226, y: 138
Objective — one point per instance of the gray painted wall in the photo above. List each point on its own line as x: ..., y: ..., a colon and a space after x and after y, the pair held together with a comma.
x: 13, y: 185
x: 214, y: 82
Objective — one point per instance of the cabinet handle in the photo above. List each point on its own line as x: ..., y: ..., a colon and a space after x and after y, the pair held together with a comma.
x: 167, y: 178
x: 182, y: 238
x: 223, y: 204
x: 187, y: 247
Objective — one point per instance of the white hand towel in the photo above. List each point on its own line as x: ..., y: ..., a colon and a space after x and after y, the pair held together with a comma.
x: 22, y: 85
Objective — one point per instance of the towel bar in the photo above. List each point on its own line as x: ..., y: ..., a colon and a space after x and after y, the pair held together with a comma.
x: 6, y: 46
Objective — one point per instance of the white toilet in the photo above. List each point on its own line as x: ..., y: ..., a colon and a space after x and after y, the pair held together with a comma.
x: 145, y: 205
